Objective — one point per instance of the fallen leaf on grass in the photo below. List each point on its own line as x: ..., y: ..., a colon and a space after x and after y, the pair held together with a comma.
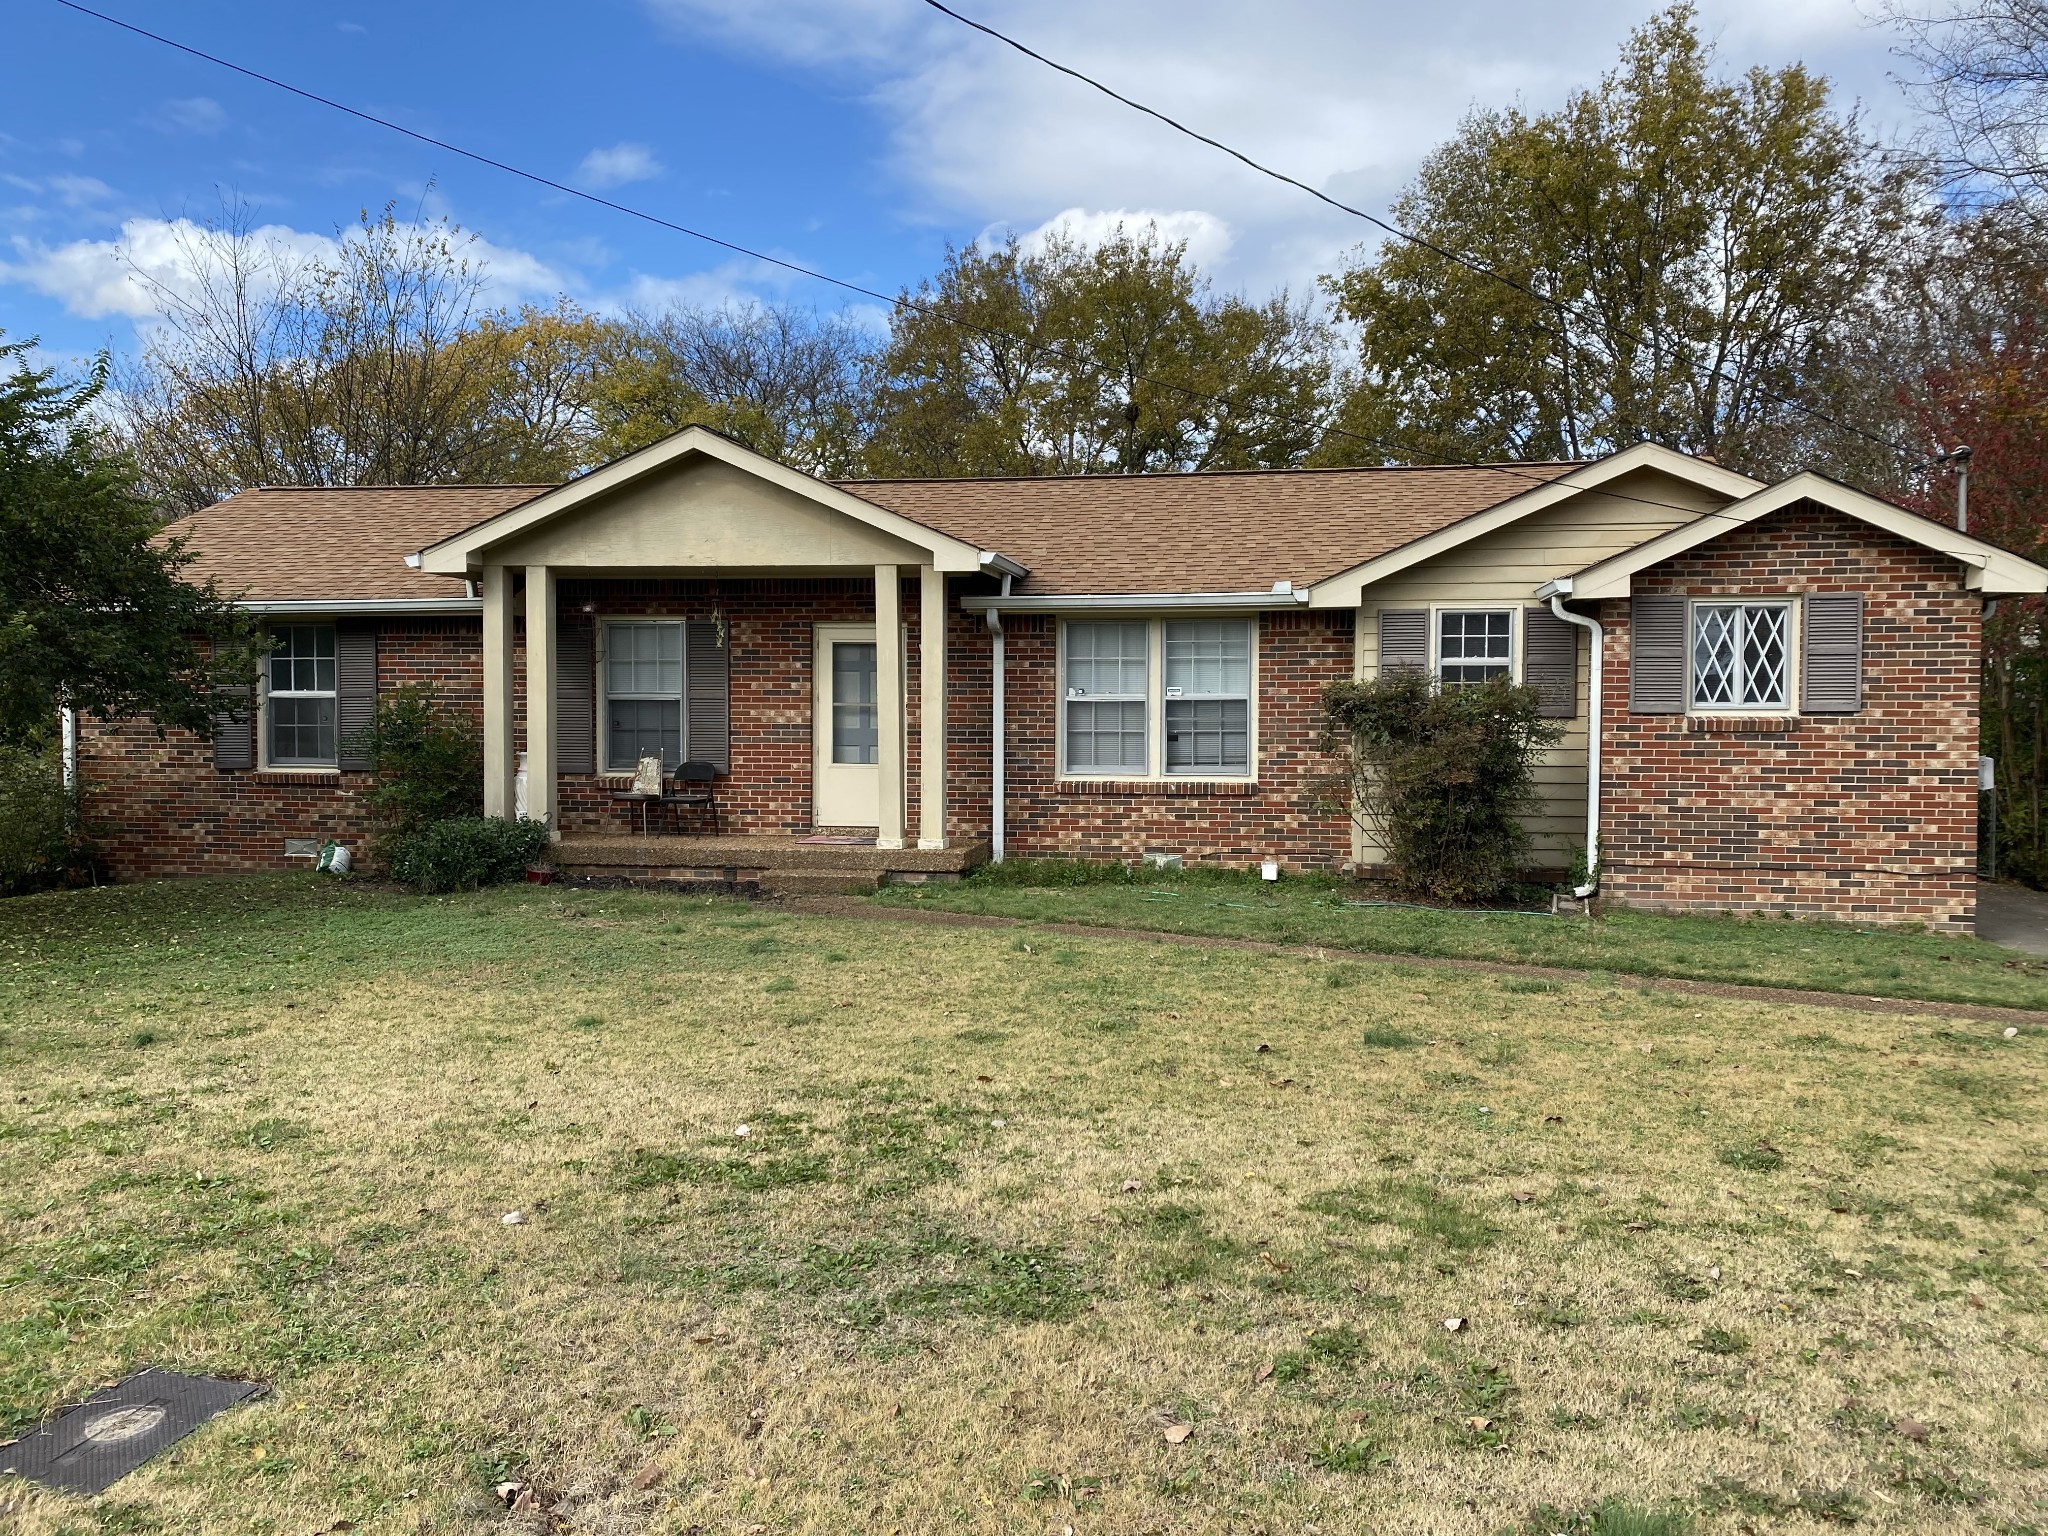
x: 1479, y: 1423
x: 1175, y: 1433
x: 1454, y: 1324
x: 757, y: 1418
x: 1911, y: 1429
x: 1275, y: 1263
x: 647, y: 1477
x: 1132, y: 1186
x: 1263, y: 1373
x: 1635, y: 1226
x: 1523, y: 1196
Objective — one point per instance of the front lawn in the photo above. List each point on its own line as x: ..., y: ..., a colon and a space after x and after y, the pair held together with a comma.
x: 1757, y: 951
x: 1023, y: 1232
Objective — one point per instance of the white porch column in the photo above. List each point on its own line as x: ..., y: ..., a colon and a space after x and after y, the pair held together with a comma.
x: 500, y: 758
x: 931, y: 708
x: 540, y: 693
x: 889, y: 706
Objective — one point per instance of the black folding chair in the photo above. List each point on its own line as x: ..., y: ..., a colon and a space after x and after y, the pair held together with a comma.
x: 690, y: 790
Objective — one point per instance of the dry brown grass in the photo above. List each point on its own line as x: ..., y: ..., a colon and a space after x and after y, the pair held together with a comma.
x: 1709, y: 1253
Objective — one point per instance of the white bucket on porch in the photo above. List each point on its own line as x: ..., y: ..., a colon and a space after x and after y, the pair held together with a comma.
x: 519, y: 800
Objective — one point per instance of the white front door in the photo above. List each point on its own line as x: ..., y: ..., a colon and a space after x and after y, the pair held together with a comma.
x: 846, y: 781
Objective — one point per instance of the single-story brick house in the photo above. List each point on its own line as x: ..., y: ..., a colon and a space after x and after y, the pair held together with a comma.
x: 1769, y: 692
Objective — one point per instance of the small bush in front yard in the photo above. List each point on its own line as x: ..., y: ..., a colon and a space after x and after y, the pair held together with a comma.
x: 465, y: 852
x: 1439, y: 775
x: 430, y: 765
x: 41, y: 841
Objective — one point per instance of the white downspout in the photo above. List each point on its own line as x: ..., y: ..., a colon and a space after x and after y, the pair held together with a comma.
x: 995, y: 777
x: 1558, y: 591
x: 67, y: 718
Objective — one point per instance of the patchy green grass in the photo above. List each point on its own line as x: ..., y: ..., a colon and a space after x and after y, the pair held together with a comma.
x: 1756, y: 951
x: 844, y: 1226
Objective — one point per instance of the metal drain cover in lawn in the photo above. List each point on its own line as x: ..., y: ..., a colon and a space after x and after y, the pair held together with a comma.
x: 87, y: 1448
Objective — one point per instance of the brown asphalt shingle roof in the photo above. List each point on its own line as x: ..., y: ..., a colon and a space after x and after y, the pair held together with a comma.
x: 279, y: 543
x: 1237, y: 532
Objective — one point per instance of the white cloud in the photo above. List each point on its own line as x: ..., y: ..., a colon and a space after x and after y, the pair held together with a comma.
x: 1347, y: 97
x: 1206, y: 236
x: 618, y: 165
x: 80, y: 191
x: 191, y: 114
x: 97, y: 278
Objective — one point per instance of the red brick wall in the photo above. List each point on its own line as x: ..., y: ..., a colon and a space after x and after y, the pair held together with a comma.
x: 161, y: 807
x: 1273, y: 815
x: 1864, y: 817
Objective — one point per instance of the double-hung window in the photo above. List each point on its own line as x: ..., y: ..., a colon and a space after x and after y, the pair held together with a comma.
x: 1474, y: 646
x: 1741, y: 655
x: 643, y: 694
x: 299, y: 698
x: 1148, y: 698
x: 1208, y: 696
x: 1109, y: 669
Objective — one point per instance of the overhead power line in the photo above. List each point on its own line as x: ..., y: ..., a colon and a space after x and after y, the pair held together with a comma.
x: 1421, y: 242
x: 894, y: 301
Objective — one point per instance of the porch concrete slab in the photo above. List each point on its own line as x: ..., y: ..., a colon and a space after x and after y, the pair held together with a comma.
x: 773, y: 854
x: 2013, y: 915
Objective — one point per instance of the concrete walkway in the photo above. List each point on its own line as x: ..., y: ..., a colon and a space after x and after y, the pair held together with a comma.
x: 2013, y: 915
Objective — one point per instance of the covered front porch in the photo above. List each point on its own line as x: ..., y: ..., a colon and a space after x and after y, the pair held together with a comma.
x: 788, y: 644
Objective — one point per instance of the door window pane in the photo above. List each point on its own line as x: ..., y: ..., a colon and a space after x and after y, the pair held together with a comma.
x: 856, y: 737
x: 1474, y: 647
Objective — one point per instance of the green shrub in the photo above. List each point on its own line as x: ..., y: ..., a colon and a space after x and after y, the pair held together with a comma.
x: 42, y: 842
x: 430, y: 765
x: 464, y: 852
x: 1438, y: 776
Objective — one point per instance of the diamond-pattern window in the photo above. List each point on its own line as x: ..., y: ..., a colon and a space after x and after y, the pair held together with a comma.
x: 1739, y: 655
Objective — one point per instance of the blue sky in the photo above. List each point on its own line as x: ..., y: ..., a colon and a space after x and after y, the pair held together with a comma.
x: 857, y: 136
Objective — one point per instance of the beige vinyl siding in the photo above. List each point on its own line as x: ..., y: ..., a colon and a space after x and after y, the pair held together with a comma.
x: 1503, y: 569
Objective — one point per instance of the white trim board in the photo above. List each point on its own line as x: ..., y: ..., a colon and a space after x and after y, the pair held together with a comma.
x: 1987, y: 568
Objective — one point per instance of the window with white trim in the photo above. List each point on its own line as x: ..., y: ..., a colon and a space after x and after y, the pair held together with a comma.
x: 1474, y: 645
x: 643, y: 694
x: 1109, y: 668
x: 299, y: 698
x: 1208, y: 695
x: 1150, y: 698
x: 1741, y: 655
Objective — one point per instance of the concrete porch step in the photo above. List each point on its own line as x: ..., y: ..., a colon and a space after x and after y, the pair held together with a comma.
x: 773, y: 865
x: 798, y: 882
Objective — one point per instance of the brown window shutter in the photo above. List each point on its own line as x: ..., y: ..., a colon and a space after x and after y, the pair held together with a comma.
x: 234, y: 741
x: 708, y: 707
x: 1404, y: 639
x: 1656, y: 665
x: 355, y: 694
x: 575, y: 699
x: 1550, y: 663
x: 1831, y: 654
